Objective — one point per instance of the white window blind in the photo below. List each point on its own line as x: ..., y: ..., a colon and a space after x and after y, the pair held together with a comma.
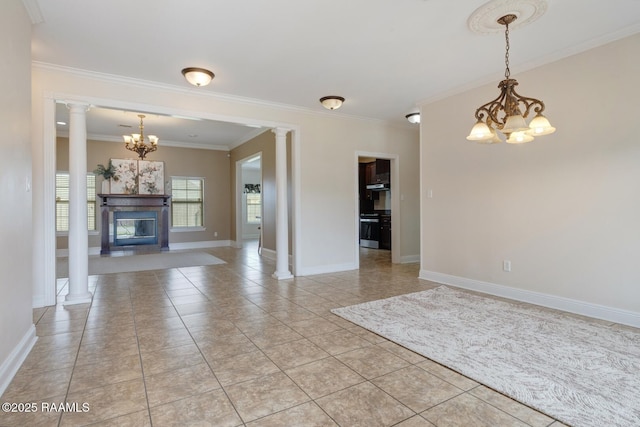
x: 62, y: 202
x: 187, y: 202
x: 254, y: 207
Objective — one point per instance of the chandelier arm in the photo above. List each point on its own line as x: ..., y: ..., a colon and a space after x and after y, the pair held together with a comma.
x: 489, y: 111
x: 529, y: 103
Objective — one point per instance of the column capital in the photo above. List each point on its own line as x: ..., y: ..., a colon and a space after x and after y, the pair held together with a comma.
x: 281, y: 132
x: 77, y: 106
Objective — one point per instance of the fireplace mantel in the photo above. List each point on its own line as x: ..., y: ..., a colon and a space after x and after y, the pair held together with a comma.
x: 111, y: 202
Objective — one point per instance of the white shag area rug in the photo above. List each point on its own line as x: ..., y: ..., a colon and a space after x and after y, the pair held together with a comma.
x: 143, y: 262
x: 577, y: 371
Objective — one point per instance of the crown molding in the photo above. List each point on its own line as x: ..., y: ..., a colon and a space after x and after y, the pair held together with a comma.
x: 130, y: 81
x: 163, y: 143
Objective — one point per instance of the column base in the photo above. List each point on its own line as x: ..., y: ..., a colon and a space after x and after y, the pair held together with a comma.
x: 83, y: 298
x: 282, y: 275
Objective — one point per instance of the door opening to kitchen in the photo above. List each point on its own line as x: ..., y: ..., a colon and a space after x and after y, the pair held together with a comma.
x: 374, y: 194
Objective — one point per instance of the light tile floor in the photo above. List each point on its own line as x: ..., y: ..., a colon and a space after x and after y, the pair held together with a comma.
x: 227, y: 345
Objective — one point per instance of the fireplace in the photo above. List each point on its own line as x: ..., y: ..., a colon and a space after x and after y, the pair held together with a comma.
x: 143, y: 219
x: 135, y: 228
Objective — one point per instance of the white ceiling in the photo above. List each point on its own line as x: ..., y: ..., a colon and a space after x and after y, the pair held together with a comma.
x: 383, y: 56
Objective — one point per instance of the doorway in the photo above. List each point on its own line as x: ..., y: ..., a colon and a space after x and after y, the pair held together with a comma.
x: 377, y: 207
x: 249, y: 206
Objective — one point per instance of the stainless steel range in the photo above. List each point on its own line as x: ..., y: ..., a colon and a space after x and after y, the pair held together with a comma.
x: 370, y: 230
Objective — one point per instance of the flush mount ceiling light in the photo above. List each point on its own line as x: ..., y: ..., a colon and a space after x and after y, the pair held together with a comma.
x: 413, y: 117
x: 331, y: 102
x: 506, y: 114
x: 198, y: 76
x: 135, y: 141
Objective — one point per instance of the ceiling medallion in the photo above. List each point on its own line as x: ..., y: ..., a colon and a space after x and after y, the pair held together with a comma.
x: 484, y: 20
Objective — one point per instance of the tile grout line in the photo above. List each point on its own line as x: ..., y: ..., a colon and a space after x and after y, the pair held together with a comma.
x: 75, y: 360
x: 200, y: 351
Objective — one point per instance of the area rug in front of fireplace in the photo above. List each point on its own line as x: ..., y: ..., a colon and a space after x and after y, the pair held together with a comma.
x: 576, y: 370
x: 144, y: 262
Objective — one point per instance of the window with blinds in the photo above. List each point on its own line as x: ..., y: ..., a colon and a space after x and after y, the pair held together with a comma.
x: 187, y: 202
x: 254, y: 207
x: 62, y: 202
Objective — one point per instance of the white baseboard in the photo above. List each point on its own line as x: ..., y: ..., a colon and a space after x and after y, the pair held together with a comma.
x: 597, y: 311
x: 200, y: 245
x: 409, y: 259
x: 95, y: 250
x: 10, y: 366
x: 271, y: 254
x: 268, y: 253
x: 323, y: 269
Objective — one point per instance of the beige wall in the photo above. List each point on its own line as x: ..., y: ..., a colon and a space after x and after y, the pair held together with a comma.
x: 212, y: 165
x: 16, y: 325
x: 324, y: 148
x: 264, y: 143
x: 564, y: 209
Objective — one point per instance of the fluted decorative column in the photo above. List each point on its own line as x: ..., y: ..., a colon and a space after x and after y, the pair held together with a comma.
x: 282, y: 219
x: 78, y: 224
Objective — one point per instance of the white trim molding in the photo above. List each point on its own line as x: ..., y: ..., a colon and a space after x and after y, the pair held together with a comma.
x: 323, y: 269
x: 583, y: 308
x: 199, y: 245
x: 409, y: 259
x: 16, y: 358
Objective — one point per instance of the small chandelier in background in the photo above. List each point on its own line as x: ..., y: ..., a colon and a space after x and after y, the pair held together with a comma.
x: 135, y: 141
x: 503, y: 114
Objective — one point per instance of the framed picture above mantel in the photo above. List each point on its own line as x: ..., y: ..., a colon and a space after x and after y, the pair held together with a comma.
x: 137, y: 177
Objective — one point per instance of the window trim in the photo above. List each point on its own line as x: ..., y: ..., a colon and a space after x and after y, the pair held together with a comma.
x: 188, y: 228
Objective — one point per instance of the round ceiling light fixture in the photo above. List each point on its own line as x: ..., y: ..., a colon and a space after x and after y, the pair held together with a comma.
x: 331, y: 102
x: 198, y: 76
x: 413, y: 117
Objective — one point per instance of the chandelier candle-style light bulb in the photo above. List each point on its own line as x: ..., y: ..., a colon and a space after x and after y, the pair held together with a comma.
x: 506, y: 114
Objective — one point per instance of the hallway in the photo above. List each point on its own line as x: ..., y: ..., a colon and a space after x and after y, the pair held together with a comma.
x: 227, y: 345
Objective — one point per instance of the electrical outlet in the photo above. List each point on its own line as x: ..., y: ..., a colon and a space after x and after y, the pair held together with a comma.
x: 215, y: 234
x: 506, y: 265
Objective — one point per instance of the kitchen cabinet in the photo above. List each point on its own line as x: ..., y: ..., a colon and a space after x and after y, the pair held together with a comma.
x: 370, y: 173
x: 383, y: 171
x: 378, y: 172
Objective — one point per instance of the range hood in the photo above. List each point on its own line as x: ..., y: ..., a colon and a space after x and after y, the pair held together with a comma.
x: 379, y: 187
